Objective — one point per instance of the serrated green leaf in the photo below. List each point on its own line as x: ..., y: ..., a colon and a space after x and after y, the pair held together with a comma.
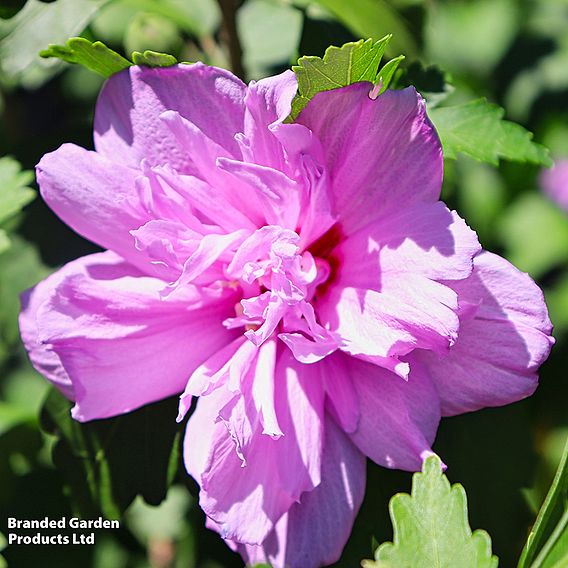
x: 14, y: 190
x: 387, y: 73
x: 478, y: 130
x: 547, y: 544
x: 153, y: 59
x: 431, y: 528
x: 341, y: 66
x: 94, y: 56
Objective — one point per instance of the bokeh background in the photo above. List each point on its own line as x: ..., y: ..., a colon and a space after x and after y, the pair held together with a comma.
x: 513, y: 52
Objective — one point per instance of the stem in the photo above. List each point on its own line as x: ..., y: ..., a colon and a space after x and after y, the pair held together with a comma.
x: 230, y: 35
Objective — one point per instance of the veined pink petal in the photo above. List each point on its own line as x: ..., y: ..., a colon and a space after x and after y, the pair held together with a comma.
x: 386, y: 326
x: 110, y: 330
x: 267, y: 103
x: 156, y: 239
x: 95, y: 197
x: 425, y: 239
x: 342, y: 402
x: 398, y: 419
x: 245, y: 502
x: 128, y: 127
x: 247, y: 498
x: 217, y: 204
x: 226, y: 367
x: 211, y: 249
x: 501, y: 346
x: 315, y: 530
x: 279, y: 195
x: 379, y: 153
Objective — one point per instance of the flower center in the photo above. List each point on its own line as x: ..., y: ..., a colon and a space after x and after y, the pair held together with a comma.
x: 278, y: 282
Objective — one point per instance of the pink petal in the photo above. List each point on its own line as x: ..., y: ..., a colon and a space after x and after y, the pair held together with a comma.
x: 245, y: 502
x: 127, y: 123
x: 500, y: 348
x: 342, y: 402
x: 44, y: 360
x: 398, y: 419
x: 268, y: 102
x: 227, y: 366
x: 226, y: 204
x: 380, y: 153
x: 384, y: 326
x: 222, y: 198
x: 424, y: 239
x: 211, y: 249
x: 247, y: 498
x: 156, y: 239
x: 390, y: 293
x: 121, y: 345
x: 314, y: 531
x: 95, y: 197
x: 278, y: 195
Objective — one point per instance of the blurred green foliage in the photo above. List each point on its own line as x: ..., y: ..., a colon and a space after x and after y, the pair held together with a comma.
x: 514, y: 53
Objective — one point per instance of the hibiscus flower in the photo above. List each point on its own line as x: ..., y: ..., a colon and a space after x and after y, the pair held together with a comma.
x: 303, y: 280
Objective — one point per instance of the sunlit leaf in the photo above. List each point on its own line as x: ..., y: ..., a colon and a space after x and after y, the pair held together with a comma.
x: 153, y: 59
x: 94, y: 56
x: 339, y: 67
x: 478, y: 130
x: 431, y: 528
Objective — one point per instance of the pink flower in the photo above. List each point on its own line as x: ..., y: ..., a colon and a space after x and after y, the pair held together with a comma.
x: 554, y: 182
x: 322, y: 302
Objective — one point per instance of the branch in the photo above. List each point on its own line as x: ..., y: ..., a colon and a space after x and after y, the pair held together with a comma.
x: 230, y: 35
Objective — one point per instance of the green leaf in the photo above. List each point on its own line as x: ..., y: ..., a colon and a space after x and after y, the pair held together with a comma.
x: 153, y: 59
x: 94, y: 56
x: 431, y: 529
x: 14, y: 190
x: 478, y: 130
x: 341, y: 66
x: 549, y: 536
x: 35, y: 26
x: 101, y: 59
x: 387, y: 73
x: 108, y: 462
